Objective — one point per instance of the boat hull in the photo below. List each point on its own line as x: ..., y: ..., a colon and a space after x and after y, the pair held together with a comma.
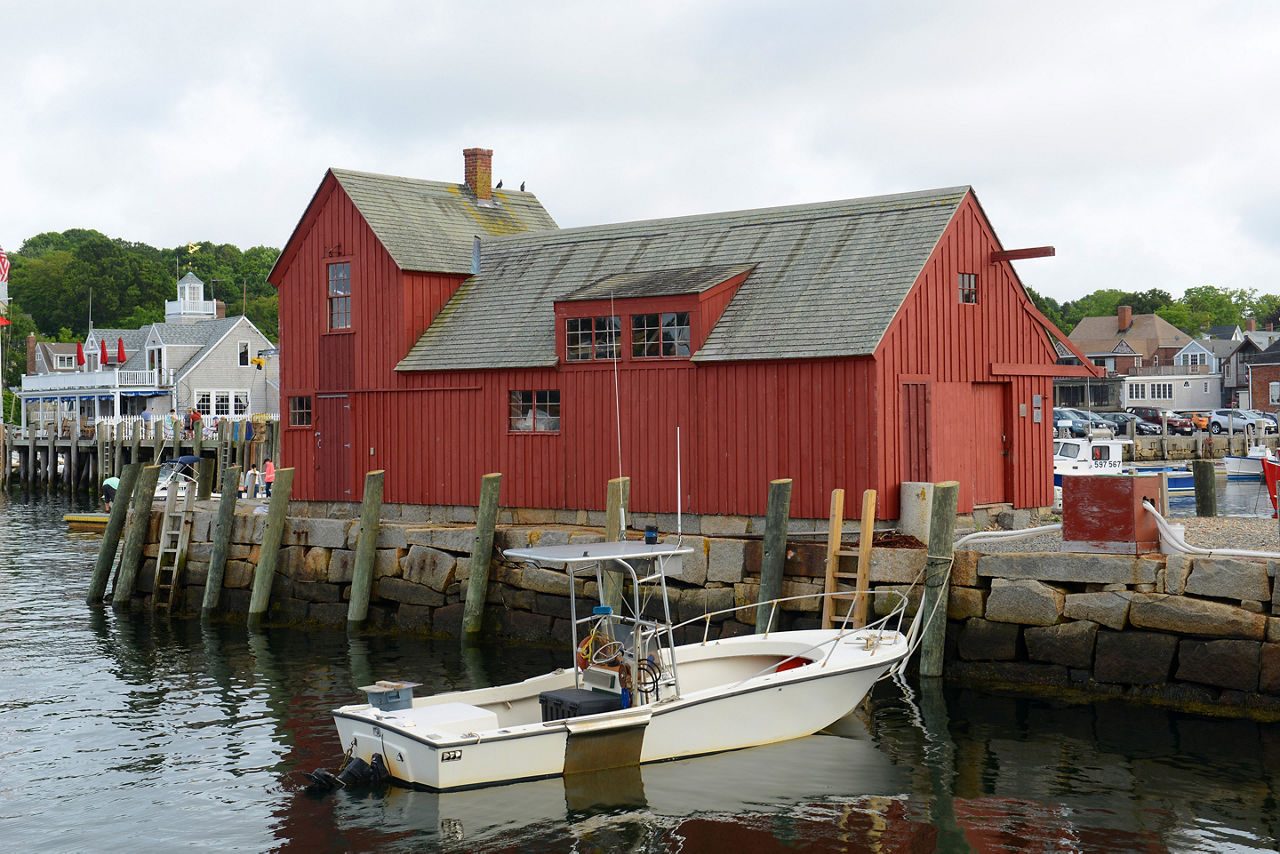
x: 733, y: 695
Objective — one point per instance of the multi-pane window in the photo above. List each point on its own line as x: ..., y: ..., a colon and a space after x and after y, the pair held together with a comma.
x: 300, y: 411
x: 67, y: 361
x: 660, y: 335
x: 1137, y: 391
x: 1273, y: 393
x: 592, y: 338
x: 340, y: 295
x: 968, y: 283
x: 534, y: 411
x: 222, y: 403
x: 1162, y: 391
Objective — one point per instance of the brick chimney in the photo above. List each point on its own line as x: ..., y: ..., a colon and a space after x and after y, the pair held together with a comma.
x: 1250, y: 324
x: 478, y: 171
x: 31, y: 353
x: 219, y: 309
x: 1124, y: 318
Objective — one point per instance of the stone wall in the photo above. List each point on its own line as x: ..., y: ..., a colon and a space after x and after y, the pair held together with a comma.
x: 1184, y: 631
x: 421, y: 571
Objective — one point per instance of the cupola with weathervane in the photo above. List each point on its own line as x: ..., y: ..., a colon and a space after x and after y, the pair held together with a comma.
x: 190, y: 306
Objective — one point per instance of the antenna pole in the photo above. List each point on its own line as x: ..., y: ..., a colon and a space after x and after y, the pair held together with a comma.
x: 679, y: 532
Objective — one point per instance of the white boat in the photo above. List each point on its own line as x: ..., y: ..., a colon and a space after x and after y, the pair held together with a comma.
x: 1087, y: 456
x: 1248, y: 466
x: 632, y: 695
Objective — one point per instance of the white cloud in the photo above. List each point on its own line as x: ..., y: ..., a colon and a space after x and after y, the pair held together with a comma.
x: 1135, y: 137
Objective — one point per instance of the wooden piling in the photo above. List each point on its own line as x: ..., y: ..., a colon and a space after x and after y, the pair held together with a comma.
x: 222, y: 457
x: 117, y: 456
x: 135, y: 538
x: 263, y: 574
x: 135, y: 444
x: 777, y: 514
x: 366, y: 548
x: 197, y: 436
x: 111, y: 537
x: 1206, y: 487
x: 937, y: 581
x: 157, y: 440
x: 204, y: 478
x: 175, y: 443
x: 33, y: 473
x: 51, y: 456
x: 617, y: 500
x: 221, y: 545
x: 100, y: 440
x: 481, y: 556
x: 5, y: 455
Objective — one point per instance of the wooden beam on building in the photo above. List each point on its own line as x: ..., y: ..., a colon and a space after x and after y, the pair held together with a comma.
x: 1019, y: 254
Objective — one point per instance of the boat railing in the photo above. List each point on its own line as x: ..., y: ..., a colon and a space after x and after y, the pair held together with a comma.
x: 895, y: 614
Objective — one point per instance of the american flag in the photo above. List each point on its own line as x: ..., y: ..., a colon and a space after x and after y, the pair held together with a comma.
x: 4, y: 267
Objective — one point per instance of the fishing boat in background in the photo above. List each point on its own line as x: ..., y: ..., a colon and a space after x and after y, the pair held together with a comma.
x: 1250, y: 466
x: 632, y: 695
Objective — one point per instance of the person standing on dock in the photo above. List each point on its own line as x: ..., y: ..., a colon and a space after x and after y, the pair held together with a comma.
x: 249, y: 483
x: 171, y: 423
x: 109, y: 487
x: 147, y: 415
x: 268, y: 475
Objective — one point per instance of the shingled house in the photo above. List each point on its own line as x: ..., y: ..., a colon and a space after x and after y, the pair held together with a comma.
x: 441, y: 331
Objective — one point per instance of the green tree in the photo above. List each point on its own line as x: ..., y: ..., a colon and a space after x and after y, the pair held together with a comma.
x: 1213, y: 306
x: 1180, y: 316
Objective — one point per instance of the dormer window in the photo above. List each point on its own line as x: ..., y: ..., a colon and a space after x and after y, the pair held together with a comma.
x: 664, y: 335
x: 589, y: 338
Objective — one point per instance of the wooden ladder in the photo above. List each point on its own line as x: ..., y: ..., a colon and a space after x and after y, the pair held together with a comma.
x: 862, y: 576
x: 175, y: 533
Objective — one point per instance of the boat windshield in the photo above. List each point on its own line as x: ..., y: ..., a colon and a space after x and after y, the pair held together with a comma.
x: 1067, y: 450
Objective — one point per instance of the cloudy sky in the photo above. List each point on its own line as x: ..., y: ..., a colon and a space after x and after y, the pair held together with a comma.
x: 1138, y: 138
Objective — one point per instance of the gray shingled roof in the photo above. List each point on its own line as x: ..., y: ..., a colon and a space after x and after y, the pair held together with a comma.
x: 431, y: 225
x: 661, y: 283
x: 827, y: 279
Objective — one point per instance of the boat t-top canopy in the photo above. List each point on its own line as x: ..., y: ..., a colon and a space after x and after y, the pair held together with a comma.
x: 574, y: 554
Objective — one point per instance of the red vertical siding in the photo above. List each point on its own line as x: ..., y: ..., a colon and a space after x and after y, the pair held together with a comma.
x: 937, y: 336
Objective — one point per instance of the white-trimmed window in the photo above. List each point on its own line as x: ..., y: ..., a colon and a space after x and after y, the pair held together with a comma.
x: 1137, y: 391
x: 1162, y: 391
x: 968, y: 288
x: 1273, y: 392
x: 62, y: 362
x: 222, y: 403
x: 243, y: 347
x: 340, y: 295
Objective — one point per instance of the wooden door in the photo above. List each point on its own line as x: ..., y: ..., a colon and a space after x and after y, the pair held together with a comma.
x: 991, y: 442
x: 333, y: 447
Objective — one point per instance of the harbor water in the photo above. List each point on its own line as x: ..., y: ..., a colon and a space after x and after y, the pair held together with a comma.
x: 118, y: 731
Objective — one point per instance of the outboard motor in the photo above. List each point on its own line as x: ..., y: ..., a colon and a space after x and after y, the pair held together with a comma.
x: 354, y: 774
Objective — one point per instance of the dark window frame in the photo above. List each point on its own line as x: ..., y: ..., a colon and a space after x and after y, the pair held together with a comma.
x: 967, y: 284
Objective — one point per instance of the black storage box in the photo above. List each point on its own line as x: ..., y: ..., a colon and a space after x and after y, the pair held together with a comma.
x: 573, y: 702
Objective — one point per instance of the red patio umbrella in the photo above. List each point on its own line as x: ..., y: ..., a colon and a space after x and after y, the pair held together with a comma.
x: 79, y: 354
x: 120, y: 357
x: 103, y: 345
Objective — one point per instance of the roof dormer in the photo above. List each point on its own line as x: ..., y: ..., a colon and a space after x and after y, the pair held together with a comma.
x: 190, y: 306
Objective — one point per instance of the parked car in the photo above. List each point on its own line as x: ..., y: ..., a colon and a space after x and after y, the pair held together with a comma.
x: 1270, y: 416
x: 1095, y: 423
x: 1199, y: 419
x: 1063, y: 419
x: 1123, y: 419
x: 1236, y: 420
x: 1177, y: 423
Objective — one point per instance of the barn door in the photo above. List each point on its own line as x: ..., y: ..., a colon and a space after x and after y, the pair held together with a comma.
x: 991, y: 442
x: 333, y: 447
x: 915, y: 432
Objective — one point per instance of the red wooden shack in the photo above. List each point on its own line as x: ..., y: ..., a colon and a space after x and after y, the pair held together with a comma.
x: 441, y: 331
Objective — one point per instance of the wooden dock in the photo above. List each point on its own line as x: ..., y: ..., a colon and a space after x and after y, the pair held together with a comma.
x: 45, y: 457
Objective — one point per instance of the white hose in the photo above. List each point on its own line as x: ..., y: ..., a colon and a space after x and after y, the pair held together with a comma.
x: 996, y: 536
x: 1170, y: 538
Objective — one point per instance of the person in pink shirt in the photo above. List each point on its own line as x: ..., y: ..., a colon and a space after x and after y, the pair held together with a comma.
x: 268, y: 476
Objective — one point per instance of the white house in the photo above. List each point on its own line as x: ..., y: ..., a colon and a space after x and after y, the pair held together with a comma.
x: 195, y: 359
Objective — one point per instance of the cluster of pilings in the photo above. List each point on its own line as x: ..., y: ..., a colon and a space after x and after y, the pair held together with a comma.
x: 43, y: 456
